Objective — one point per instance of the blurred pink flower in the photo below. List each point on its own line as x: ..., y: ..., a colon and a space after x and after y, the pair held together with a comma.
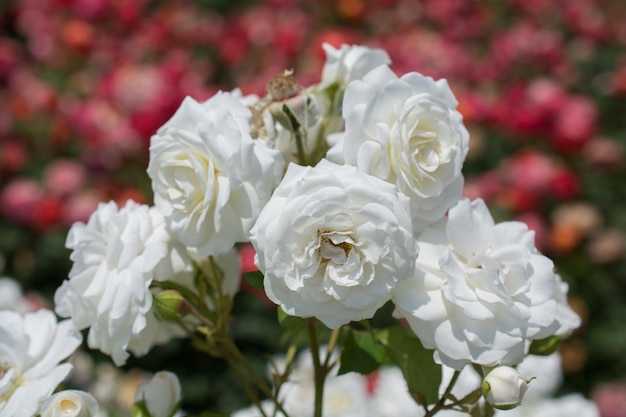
x: 611, y: 399
x: 63, y: 177
x: 20, y: 198
x: 604, y: 152
x: 13, y: 156
x: 246, y: 257
x: 564, y: 184
x: 79, y: 206
x: 575, y: 124
x: 529, y: 170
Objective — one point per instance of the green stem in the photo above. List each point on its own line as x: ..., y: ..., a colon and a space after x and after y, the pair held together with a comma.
x: 240, y: 359
x: 441, y: 404
x: 331, y: 346
x: 295, y: 127
x: 488, y: 411
x: 245, y: 384
x: 320, y: 372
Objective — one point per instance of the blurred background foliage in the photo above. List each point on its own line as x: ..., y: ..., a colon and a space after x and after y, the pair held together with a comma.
x: 541, y: 85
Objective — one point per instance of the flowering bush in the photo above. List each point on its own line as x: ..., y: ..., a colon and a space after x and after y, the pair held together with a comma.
x: 334, y: 242
x: 540, y: 86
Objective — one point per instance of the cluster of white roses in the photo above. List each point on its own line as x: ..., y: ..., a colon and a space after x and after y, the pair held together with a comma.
x: 34, y: 347
x: 350, y: 193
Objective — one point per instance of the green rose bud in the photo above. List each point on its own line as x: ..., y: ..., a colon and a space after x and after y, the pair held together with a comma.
x: 170, y: 305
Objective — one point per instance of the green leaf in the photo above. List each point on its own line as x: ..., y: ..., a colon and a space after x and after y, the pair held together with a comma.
x: 209, y: 414
x: 254, y: 279
x: 422, y: 374
x: 545, y: 347
x: 361, y: 353
x: 287, y: 321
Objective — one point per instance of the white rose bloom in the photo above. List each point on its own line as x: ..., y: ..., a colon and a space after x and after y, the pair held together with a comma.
x: 210, y: 178
x: 161, y: 394
x: 31, y: 347
x: 482, y: 292
x: 547, y: 374
x: 70, y: 403
x: 332, y: 243
x: 468, y: 380
x: 350, y: 62
x: 567, y: 406
x: 11, y: 296
x: 253, y: 411
x: 406, y: 131
x: 391, y: 396
x: 116, y: 256
x: 344, y: 395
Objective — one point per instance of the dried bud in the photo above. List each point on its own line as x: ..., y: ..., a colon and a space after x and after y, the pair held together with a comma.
x: 283, y: 86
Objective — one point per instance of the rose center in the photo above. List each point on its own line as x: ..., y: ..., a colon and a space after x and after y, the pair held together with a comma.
x: 335, y: 247
x: 8, y: 387
x: 68, y: 407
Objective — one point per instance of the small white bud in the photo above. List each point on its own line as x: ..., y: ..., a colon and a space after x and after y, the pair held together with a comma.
x: 161, y: 395
x: 70, y: 403
x: 504, y: 387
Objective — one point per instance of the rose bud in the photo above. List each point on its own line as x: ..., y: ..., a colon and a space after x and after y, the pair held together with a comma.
x: 504, y: 387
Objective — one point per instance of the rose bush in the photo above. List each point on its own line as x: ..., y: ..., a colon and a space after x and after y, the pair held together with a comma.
x: 332, y: 242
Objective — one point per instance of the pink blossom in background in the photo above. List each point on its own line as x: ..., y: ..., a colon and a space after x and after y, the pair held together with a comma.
x: 80, y: 206
x: 564, y: 184
x: 13, y: 156
x: 575, y: 124
x: 63, y: 177
x: 246, y: 256
x: 611, y: 399
x: 19, y: 199
x: 604, y: 153
x: 487, y: 186
x: 529, y: 170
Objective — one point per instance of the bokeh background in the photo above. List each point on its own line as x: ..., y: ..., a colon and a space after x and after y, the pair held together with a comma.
x: 541, y: 85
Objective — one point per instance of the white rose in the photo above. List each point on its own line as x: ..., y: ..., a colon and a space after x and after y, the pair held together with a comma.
x: 406, y: 131
x: 70, y: 403
x: 210, y: 179
x: 566, y: 406
x: 504, y: 387
x: 11, y: 296
x: 350, y: 62
x: 268, y: 406
x: 116, y: 256
x: 467, y: 381
x: 391, y: 396
x: 161, y: 395
x: 332, y: 242
x: 344, y: 395
x: 547, y: 372
x: 482, y: 292
x: 31, y: 347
